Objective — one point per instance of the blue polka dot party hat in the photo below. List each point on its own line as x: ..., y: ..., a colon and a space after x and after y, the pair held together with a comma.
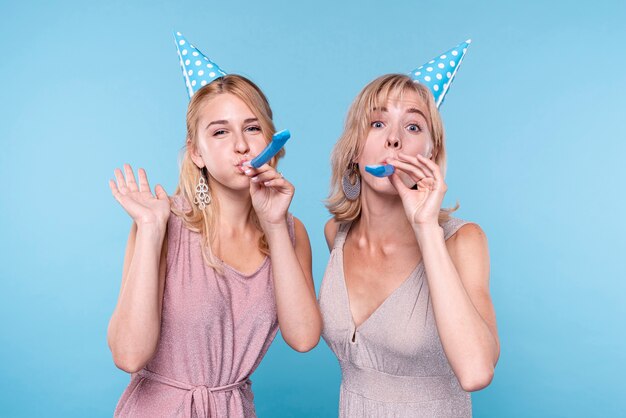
x: 438, y: 73
x: 198, y: 69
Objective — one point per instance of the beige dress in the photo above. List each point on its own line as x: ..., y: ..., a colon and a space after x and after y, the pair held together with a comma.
x: 395, y: 366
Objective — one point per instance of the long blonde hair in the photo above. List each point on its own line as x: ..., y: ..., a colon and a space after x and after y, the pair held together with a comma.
x: 350, y: 144
x: 204, y: 221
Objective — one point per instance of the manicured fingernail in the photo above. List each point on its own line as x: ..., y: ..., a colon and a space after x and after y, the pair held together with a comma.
x: 247, y: 171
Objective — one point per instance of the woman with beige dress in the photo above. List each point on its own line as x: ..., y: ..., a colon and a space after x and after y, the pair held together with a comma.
x: 405, y: 299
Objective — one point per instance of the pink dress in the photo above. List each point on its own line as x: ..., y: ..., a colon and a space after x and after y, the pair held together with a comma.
x: 215, y: 329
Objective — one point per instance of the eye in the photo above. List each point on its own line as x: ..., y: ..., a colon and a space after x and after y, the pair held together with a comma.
x: 414, y: 127
x: 253, y: 128
x: 377, y: 124
x: 219, y: 132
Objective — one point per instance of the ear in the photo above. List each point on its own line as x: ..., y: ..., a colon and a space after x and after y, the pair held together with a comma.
x: 195, y: 156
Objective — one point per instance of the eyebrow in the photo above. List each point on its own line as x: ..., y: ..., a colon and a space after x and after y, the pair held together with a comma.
x: 217, y: 122
x: 225, y: 122
x: 414, y: 110
x: 410, y: 110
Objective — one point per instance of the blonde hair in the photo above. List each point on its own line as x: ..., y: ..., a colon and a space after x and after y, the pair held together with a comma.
x: 204, y: 221
x: 350, y: 144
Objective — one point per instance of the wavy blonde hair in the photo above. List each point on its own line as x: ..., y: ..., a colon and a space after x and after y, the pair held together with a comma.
x: 350, y: 144
x: 204, y: 221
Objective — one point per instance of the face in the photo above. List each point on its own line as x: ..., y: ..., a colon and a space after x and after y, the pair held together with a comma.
x: 398, y: 127
x: 227, y: 133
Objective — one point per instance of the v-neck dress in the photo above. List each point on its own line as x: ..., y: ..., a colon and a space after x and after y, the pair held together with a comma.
x: 393, y: 364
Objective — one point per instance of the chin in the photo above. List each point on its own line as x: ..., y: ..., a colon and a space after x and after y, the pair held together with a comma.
x: 237, y: 182
x: 383, y: 186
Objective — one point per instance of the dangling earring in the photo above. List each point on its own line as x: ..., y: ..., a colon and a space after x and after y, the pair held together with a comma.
x: 351, y: 191
x: 203, y: 197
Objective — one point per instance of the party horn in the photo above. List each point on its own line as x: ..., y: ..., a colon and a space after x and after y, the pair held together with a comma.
x: 277, y: 142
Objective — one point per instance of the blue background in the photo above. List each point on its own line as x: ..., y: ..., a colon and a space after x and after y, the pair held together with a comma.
x: 535, y: 130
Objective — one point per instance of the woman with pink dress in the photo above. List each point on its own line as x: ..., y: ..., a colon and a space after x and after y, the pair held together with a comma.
x: 211, y: 273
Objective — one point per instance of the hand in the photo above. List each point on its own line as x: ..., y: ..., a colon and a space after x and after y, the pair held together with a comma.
x: 271, y: 194
x: 422, y: 205
x: 138, y: 201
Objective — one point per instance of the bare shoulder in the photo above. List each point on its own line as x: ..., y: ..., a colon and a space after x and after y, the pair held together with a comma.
x: 469, y: 251
x: 330, y: 232
x: 469, y: 234
x: 303, y: 249
x: 299, y: 229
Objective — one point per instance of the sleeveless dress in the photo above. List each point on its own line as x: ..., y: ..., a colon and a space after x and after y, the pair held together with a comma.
x: 215, y: 329
x: 393, y: 364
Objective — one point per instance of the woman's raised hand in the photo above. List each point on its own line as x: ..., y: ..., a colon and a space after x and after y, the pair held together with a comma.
x: 271, y: 194
x: 137, y: 199
x: 422, y: 205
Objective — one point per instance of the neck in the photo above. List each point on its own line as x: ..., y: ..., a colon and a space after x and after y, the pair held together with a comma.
x: 234, y: 210
x: 383, y: 221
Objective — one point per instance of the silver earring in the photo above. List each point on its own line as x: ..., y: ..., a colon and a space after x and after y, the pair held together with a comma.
x: 203, y: 197
x: 350, y: 190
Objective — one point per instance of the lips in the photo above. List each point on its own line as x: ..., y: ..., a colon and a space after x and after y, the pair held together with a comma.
x: 239, y: 164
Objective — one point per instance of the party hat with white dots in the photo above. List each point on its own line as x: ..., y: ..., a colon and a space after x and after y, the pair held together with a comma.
x: 198, y: 70
x: 438, y: 73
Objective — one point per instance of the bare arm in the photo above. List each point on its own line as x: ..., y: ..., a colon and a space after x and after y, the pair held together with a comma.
x: 299, y: 316
x: 298, y: 313
x: 458, y: 278
x: 134, y: 327
x: 458, y: 275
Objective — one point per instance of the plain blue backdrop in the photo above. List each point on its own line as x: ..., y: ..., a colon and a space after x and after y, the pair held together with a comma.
x: 535, y: 134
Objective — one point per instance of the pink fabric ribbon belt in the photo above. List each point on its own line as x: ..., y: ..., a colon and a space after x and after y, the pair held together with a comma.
x: 201, y: 398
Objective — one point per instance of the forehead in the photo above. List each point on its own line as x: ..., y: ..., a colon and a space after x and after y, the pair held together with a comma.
x: 225, y: 106
x: 404, y: 100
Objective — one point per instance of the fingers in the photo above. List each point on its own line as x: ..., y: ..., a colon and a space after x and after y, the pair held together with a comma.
x: 435, y: 180
x: 130, y: 178
x: 121, y: 182
x: 126, y: 181
x: 434, y: 168
x: 251, y: 171
x: 114, y: 190
x: 414, y: 171
x: 160, y: 192
x: 265, y: 175
x: 270, y: 178
x: 127, y: 184
x: 144, y: 186
x: 398, y: 184
x: 428, y: 167
x: 278, y: 183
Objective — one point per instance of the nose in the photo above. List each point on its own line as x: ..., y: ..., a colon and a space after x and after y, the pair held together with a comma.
x: 241, y: 145
x: 393, y: 142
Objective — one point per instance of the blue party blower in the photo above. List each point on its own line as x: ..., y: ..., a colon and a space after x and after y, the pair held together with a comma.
x: 381, y: 170
x: 277, y: 142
